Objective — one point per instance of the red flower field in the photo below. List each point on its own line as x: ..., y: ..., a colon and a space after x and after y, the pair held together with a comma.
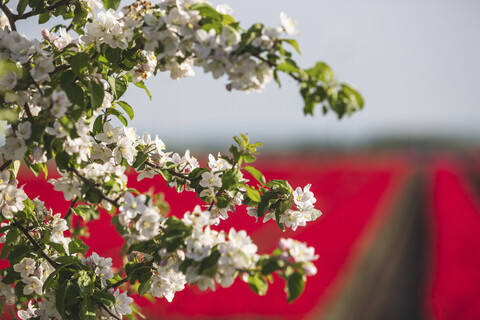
x: 381, y: 212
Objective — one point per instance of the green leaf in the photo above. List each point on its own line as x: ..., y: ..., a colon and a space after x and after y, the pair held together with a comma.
x: 256, y: 174
x: 77, y: 245
x: 106, y: 298
x: 295, y: 286
x: 258, y: 284
x: 58, y: 247
x: 140, y: 159
x: 11, y: 276
x: 253, y: 194
x: 270, y: 266
x: 113, y: 55
x: 74, y: 92
x: 293, y: 43
x: 120, y: 88
x: 128, y: 109
x: 85, y: 283
x: 98, y: 125
x: 227, y: 19
x: 222, y: 202
x: 144, y: 287
x: 207, y: 11
x: 231, y: 179
x: 321, y: 71
x: 8, y: 114
x: 111, y: 4
x: 79, y: 63
x: 96, y: 94
x: 354, y: 95
x: 73, y: 292
x: 87, y: 212
x: 17, y: 253
x: 62, y: 159
x: 118, y: 114
x: 287, y: 67
x: 60, y: 298
x: 87, y: 310
x: 67, y: 260
x: 43, y: 17
x: 22, y: 5
x: 141, y: 85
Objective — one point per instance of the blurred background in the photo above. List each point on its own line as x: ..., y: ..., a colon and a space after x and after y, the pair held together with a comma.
x: 398, y: 183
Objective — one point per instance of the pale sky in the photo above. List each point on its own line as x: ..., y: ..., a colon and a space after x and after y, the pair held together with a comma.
x: 416, y: 62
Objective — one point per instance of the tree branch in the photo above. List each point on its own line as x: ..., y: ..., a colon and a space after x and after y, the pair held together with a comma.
x: 34, y: 243
x: 47, y: 9
x: 10, y: 16
x: 5, y: 165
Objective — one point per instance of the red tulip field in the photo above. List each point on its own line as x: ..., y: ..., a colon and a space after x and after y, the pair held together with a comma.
x: 399, y: 238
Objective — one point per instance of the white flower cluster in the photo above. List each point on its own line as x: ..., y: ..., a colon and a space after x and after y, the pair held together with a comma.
x: 109, y: 28
x: 237, y: 254
x: 304, y: 200
x: 17, y: 48
x: 146, y: 67
x: 60, y: 42
x: 46, y: 309
x: 296, y: 251
x: 172, y: 30
x: 103, y: 269
x: 212, y: 182
x: 176, y: 30
x: 8, y: 293
x: 203, y: 239
x: 143, y: 218
x: 182, y: 166
x: 101, y: 266
x: 168, y: 279
x: 237, y: 251
x: 71, y: 185
x: 11, y: 197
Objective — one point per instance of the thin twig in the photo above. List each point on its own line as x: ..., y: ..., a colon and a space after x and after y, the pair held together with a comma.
x: 271, y: 64
x: 104, y: 307
x: 5, y: 165
x: 117, y: 284
x: 34, y: 243
x: 70, y: 209
x: 93, y: 186
x: 28, y: 112
x: 174, y: 173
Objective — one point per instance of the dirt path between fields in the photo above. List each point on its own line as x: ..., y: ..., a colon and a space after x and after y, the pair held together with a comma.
x: 388, y: 282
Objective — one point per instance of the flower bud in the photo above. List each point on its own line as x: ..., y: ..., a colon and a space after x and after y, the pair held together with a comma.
x: 46, y: 34
x: 283, y: 244
x: 309, y: 269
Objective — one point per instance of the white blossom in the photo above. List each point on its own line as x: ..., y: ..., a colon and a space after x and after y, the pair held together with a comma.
x: 32, y: 285
x: 28, y: 313
x: 288, y: 24
x: 122, y: 303
x: 26, y: 267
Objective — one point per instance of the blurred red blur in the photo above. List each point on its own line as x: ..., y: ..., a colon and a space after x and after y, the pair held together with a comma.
x: 360, y: 194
